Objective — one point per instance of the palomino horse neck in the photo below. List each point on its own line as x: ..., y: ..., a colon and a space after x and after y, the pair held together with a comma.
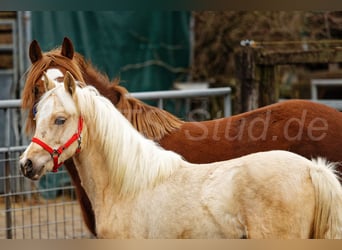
x: 139, y: 190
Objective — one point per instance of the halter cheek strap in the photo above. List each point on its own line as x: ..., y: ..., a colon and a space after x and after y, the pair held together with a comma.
x: 55, y: 153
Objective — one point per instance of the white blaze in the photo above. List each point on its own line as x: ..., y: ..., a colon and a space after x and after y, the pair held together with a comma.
x: 54, y: 74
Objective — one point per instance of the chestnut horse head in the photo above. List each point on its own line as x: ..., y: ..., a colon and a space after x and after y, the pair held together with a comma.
x: 54, y: 63
x: 152, y: 122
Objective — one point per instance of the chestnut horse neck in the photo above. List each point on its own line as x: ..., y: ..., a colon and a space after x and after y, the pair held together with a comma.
x: 153, y: 122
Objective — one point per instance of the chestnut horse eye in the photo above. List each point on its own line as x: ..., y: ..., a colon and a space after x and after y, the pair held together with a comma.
x: 36, y: 91
x: 34, y: 110
x: 60, y: 121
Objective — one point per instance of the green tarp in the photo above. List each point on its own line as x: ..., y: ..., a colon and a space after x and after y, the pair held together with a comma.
x: 147, y: 50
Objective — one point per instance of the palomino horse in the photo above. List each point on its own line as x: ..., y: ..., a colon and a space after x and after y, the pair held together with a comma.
x: 306, y: 128
x: 140, y: 190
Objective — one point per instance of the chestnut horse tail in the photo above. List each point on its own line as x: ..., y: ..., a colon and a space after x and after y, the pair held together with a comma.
x: 328, y: 199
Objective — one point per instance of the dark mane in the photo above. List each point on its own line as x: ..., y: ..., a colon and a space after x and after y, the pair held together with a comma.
x: 153, y: 122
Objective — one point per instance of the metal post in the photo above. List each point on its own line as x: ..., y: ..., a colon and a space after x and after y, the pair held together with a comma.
x: 8, y: 178
x: 9, y: 234
x: 160, y: 103
x: 227, y: 105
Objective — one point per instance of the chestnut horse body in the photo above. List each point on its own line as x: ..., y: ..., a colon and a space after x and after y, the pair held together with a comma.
x: 303, y: 127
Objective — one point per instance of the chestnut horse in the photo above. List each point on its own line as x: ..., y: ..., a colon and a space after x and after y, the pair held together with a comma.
x: 140, y: 190
x: 304, y: 127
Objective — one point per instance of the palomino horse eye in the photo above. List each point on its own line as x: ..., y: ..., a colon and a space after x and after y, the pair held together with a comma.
x: 60, y: 121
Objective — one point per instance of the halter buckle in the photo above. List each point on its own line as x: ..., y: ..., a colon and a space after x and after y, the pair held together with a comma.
x: 55, y: 153
x: 79, y: 141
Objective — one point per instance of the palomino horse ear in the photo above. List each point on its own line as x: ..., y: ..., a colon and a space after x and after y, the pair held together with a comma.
x: 48, y: 83
x: 69, y: 83
x: 67, y: 48
x: 35, y: 51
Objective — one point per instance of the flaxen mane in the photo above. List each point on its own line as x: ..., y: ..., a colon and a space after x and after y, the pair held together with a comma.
x: 98, y: 113
x: 153, y: 122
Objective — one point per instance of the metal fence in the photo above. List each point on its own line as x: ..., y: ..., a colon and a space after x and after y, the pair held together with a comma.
x: 48, y: 209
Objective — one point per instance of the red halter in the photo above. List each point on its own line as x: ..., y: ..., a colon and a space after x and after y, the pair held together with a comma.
x: 55, y: 153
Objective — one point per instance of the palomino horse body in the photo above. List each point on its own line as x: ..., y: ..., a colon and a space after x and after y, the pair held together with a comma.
x: 139, y: 190
x: 307, y: 128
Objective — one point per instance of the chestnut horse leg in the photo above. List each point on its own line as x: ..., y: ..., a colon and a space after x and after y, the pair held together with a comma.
x: 86, y: 208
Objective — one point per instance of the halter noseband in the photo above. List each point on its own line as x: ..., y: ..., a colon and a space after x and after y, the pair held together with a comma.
x: 55, y: 153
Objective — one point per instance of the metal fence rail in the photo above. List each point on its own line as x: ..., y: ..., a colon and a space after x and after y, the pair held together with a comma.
x: 161, y: 96
x: 27, y: 210
x: 188, y: 93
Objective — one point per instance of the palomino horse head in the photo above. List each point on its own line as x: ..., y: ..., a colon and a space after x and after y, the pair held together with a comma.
x: 58, y: 133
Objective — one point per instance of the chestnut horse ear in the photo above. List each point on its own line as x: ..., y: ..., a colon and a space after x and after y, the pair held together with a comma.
x: 48, y: 83
x: 35, y: 51
x: 67, y: 48
x: 69, y: 83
